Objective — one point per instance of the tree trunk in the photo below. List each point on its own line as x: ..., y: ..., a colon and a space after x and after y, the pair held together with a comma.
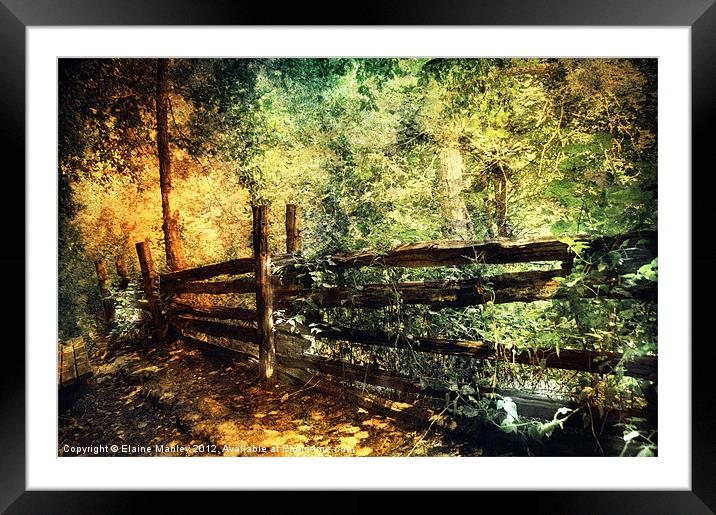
x: 293, y: 228
x: 172, y: 241
x: 499, y: 184
x: 456, y: 218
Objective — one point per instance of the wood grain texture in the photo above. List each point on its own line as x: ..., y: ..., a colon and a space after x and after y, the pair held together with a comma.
x: 220, y: 312
x: 644, y: 367
x: 459, y: 252
x: 232, y: 267
x: 241, y: 285
x: 500, y: 289
x: 264, y: 294
x: 220, y: 329
x: 150, y: 283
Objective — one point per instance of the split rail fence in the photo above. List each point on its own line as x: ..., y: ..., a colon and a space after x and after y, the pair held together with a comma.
x: 256, y: 326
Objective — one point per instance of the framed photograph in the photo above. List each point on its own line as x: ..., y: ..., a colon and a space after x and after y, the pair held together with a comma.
x: 416, y: 252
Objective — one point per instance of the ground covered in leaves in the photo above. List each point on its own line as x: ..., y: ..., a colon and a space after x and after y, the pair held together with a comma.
x: 179, y: 399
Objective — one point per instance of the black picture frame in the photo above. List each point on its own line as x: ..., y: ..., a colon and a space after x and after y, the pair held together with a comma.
x: 699, y: 15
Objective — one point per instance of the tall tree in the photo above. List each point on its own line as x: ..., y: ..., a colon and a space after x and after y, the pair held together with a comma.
x: 107, y: 108
x: 172, y: 241
x: 449, y: 88
x: 452, y: 165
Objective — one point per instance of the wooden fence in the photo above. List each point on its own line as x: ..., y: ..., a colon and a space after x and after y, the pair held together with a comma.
x: 166, y: 300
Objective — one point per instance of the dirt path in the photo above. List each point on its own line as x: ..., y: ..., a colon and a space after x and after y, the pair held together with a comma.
x: 111, y: 413
x: 183, y: 400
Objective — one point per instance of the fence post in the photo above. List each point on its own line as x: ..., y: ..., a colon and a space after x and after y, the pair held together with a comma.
x: 293, y: 228
x: 120, y: 262
x: 105, y: 291
x: 264, y: 295
x: 149, y: 279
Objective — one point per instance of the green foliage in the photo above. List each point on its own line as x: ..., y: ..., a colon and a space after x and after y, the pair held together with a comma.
x: 104, y: 107
x: 78, y: 296
x: 495, y: 411
x: 130, y: 322
x: 637, y: 441
x: 648, y: 272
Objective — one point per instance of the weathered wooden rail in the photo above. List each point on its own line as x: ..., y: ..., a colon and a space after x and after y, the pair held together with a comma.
x: 167, y: 296
x: 458, y: 252
x: 599, y: 362
x: 220, y: 312
x: 499, y: 289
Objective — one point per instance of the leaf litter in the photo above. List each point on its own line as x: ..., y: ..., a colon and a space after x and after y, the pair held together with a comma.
x: 180, y: 400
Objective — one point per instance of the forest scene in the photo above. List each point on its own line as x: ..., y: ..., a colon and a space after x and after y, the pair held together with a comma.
x: 357, y: 257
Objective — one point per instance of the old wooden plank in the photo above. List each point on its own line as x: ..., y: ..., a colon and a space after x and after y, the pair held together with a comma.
x: 241, y: 285
x: 287, y: 343
x: 348, y: 371
x: 458, y: 252
x: 220, y: 312
x: 290, y: 344
x: 531, y: 405
x: 645, y: 367
x: 59, y: 364
x: 76, y: 341
x: 511, y: 287
x: 69, y: 372
x: 247, y: 356
x: 82, y: 362
x: 235, y: 332
x: 232, y: 267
